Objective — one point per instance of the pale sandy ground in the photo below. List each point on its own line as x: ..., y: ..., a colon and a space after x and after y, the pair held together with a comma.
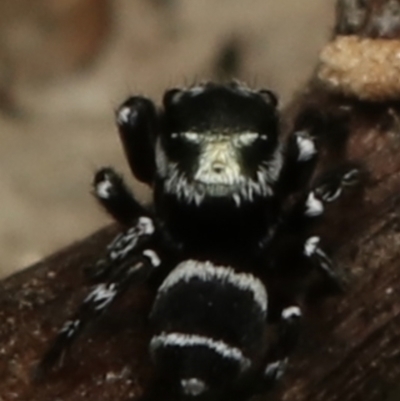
x: 48, y: 157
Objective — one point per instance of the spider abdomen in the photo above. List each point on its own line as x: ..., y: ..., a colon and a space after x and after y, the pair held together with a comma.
x: 213, y: 336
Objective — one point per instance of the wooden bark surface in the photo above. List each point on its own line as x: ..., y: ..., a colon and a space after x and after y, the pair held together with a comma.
x: 350, y: 347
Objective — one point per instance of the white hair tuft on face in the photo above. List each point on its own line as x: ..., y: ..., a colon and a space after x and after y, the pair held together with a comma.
x: 230, y: 183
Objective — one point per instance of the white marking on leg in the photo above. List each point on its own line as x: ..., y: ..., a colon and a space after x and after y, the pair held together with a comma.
x: 330, y: 197
x: 193, y: 386
x: 104, y: 188
x: 145, y: 226
x: 351, y: 178
x: 314, y: 207
x: 127, y: 241
x: 192, y: 340
x: 152, y: 255
x: 102, y: 295
x: 275, y: 370
x: 291, y: 312
x: 306, y: 147
x: 206, y: 271
x: 124, y: 114
x: 311, y: 246
x: 70, y: 327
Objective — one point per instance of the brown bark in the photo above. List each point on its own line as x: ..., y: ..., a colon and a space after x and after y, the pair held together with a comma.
x: 350, y: 348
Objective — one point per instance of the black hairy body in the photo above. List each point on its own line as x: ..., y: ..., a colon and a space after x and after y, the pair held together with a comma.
x: 224, y: 244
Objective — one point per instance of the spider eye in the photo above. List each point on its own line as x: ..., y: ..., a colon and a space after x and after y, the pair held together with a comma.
x: 172, y: 96
x: 269, y: 97
x: 192, y: 137
x: 246, y: 138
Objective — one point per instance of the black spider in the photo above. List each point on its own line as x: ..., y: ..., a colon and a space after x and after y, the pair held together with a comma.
x: 224, y: 230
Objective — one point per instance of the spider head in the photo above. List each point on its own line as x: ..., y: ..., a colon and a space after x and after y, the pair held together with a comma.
x: 218, y: 141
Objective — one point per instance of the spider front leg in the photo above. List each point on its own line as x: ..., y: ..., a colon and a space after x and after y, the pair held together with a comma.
x: 111, y: 192
x: 133, y: 270
x: 138, y: 125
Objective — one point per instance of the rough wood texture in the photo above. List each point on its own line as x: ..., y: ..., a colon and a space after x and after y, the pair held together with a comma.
x: 350, y: 349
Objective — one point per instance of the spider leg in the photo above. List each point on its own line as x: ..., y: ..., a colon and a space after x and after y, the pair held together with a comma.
x: 301, y: 152
x: 300, y: 159
x: 274, y: 364
x: 100, y: 298
x: 294, y: 249
x: 288, y: 334
x: 137, y: 123
x: 328, y: 188
x: 116, y: 198
x: 321, y: 261
x: 122, y: 247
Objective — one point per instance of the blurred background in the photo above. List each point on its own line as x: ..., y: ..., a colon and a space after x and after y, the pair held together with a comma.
x: 65, y: 65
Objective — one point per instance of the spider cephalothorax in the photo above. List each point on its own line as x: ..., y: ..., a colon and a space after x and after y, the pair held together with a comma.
x: 222, y: 251
x: 217, y: 158
x: 218, y: 142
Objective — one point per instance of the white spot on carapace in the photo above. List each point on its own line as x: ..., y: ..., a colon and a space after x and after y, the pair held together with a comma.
x: 206, y: 271
x: 183, y: 340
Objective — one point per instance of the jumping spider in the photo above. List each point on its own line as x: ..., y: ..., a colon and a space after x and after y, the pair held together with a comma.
x: 217, y: 238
